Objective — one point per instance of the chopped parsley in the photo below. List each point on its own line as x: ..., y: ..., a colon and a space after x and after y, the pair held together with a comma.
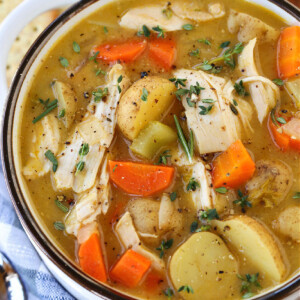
x: 192, y: 185
x: 64, y: 62
x: 225, y: 44
x: 169, y: 293
x: 188, y: 27
x: 119, y: 81
x: 84, y: 150
x: 163, y: 158
x: 296, y: 195
x: 173, y: 196
x: 204, y: 41
x: 248, y: 282
x: 105, y: 29
x: 205, y: 110
x: 221, y: 190
x: 61, y: 206
x: 100, y: 72
x: 178, y: 81
x: 100, y: 94
x: 209, y: 214
x: 50, y: 155
x: 186, y: 288
x: 242, y: 201
x: 145, y: 95
x: 59, y: 225
x: 164, y: 246
x: 273, y: 118
x: 160, y: 31
x: 194, y: 227
x: 195, y: 53
x: 62, y: 113
x: 278, y: 81
x: 144, y: 32
x: 194, y: 89
x: 76, y: 47
x: 240, y: 89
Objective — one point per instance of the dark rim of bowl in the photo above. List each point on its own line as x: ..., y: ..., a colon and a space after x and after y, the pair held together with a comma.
x: 28, y: 222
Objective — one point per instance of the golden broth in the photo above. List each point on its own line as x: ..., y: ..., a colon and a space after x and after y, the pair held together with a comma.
x: 88, y: 34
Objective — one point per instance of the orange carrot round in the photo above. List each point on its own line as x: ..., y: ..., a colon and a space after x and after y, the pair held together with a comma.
x: 163, y: 52
x: 233, y: 167
x: 140, y: 179
x: 91, y: 258
x: 124, y: 52
x: 289, y: 52
x: 130, y: 269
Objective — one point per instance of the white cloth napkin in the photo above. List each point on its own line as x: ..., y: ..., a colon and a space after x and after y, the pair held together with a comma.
x: 39, y: 283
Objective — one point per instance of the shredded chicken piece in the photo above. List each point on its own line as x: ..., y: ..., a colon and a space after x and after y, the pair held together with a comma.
x: 248, y: 27
x: 151, y: 16
x: 264, y: 92
x: 47, y: 137
x: 187, y: 10
x: 129, y: 238
x: 219, y: 122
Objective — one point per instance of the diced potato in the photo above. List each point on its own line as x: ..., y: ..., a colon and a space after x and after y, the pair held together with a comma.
x: 134, y: 114
x: 271, y: 183
x: 254, y: 242
x: 152, y: 138
x: 288, y: 223
x: 204, y: 263
x: 293, y: 87
x: 67, y: 101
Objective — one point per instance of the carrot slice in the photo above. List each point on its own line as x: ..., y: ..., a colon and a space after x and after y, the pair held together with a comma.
x: 124, y: 52
x: 288, y: 52
x: 163, y: 52
x: 280, y: 139
x: 233, y: 167
x: 140, y: 179
x: 91, y: 258
x: 130, y: 269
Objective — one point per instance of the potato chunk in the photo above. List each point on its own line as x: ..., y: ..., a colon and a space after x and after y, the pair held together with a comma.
x: 67, y: 102
x: 204, y: 263
x: 134, y: 114
x: 288, y: 223
x: 255, y: 243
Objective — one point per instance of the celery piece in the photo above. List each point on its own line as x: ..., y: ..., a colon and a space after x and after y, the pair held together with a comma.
x: 152, y: 138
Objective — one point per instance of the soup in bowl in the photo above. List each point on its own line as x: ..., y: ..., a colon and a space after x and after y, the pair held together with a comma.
x: 159, y: 146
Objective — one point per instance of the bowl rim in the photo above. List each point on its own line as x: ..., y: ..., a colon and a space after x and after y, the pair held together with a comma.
x: 30, y: 225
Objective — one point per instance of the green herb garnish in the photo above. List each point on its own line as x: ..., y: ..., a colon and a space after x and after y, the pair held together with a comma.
x: 164, y: 246
x: 84, y: 150
x: 221, y: 190
x: 205, y: 110
x: 188, y: 27
x: 186, y: 288
x: 208, y: 100
x: 278, y: 82
x: 248, y: 282
x: 48, y: 108
x: 209, y: 214
x: 160, y: 31
x: 225, y: 44
x: 64, y: 62
x: 234, y: 102
x: 169, y: 293
x: 178, y: 81
x: 50, y: 155
x: 240, y: 89
x: 62, y: 113
x: 100, y: 72
x: 194, y: 227
x: 187, y: 147
x: 145, y: 31
x: 296, y: 195
x: 61, y: 206
x: 119, y: 81
x: 273, y: 118
x: 76, y: 47
x: 163, y: 158
x: 168, y: 13
x: 192, y: 185
x: 94, y: 57
x: 100, y: 94
x: 105, y: 30
x: 145, y: 95
x: 204, y: 41
x: 242, y: 201
x: 281, y: 120
x: 195, y: 53
x: 173, y: 196
x: 233, y: 109
x: 59, y: 225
